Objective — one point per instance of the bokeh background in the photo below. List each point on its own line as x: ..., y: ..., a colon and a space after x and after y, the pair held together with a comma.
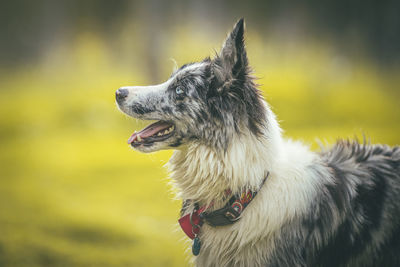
x: 72, y: 192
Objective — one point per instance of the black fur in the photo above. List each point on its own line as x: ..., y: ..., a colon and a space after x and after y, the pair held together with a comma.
x: 140, y: 109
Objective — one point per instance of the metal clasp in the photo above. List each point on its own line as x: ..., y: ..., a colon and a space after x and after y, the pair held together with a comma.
x: 230, y: 216
x: 193, y: 224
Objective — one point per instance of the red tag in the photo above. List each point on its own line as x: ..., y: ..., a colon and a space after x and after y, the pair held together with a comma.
x: 187, y: 227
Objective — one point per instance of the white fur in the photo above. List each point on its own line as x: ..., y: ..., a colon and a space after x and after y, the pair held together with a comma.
x: 137, y: 93
x: 202, y: 175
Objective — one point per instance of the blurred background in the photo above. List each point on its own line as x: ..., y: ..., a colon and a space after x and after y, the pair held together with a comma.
x: 72, y: 192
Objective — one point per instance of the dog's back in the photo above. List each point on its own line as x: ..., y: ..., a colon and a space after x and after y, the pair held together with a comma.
x: 365, y: 199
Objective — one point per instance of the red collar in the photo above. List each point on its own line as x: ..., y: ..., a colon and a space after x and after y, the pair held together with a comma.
x: 191, y: 223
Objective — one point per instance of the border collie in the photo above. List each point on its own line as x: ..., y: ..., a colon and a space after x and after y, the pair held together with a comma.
x: 251, y: 197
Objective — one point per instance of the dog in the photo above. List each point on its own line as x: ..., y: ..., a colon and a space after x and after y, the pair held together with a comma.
x: 251, y: 197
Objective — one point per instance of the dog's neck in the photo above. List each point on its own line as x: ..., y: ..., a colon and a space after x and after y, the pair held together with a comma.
x: 203, y: 175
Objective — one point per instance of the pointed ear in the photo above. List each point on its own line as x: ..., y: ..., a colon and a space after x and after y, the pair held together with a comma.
x: 233, y: 53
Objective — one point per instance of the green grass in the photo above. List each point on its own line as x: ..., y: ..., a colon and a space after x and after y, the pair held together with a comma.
x: 72, y: 193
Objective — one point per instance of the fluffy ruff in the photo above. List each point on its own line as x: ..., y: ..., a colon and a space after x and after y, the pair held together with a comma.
x: 339, y: 207
x: 336, y: 208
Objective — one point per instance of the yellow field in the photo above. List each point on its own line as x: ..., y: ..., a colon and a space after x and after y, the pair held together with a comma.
x: 72, y: 192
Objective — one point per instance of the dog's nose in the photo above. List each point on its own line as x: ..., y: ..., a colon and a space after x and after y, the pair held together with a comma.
x: 121, y: 94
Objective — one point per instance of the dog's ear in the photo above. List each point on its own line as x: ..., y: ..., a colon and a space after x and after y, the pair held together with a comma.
x: 233, y: 53
x: 231, y: 63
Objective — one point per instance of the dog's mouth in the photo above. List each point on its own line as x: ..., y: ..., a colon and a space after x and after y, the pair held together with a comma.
x: 155, y: 132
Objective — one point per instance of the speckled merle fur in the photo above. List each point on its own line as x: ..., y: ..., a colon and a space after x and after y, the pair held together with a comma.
x: 339, y: 207
x: 355, y: 220
x: 219, y: 97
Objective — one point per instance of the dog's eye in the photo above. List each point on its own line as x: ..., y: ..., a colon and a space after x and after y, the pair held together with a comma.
x: 179, y: 90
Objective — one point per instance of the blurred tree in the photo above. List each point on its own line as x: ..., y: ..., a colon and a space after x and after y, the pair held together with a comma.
x: 28, y: 28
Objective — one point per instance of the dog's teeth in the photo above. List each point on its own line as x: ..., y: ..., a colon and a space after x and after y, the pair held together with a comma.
x: 166, y: 131
x: 139, y: 138
x: 159, y: 134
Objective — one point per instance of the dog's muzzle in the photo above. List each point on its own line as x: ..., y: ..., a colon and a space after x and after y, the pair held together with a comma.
x: 121, y: 94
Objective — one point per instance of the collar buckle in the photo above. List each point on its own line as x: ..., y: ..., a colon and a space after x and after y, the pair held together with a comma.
x: 231, y: 217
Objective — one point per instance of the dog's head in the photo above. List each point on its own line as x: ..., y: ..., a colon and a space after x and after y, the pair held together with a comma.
x: 205, y: 102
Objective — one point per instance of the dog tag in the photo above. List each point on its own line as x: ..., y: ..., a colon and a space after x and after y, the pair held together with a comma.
x: 196, y: 246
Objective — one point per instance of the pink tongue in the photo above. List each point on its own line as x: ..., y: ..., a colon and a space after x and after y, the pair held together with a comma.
x: 150, y: 130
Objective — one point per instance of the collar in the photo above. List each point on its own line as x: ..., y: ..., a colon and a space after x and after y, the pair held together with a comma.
x: 191, y: 223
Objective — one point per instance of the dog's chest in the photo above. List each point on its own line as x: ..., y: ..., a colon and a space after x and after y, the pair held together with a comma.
x: 233, y: 246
